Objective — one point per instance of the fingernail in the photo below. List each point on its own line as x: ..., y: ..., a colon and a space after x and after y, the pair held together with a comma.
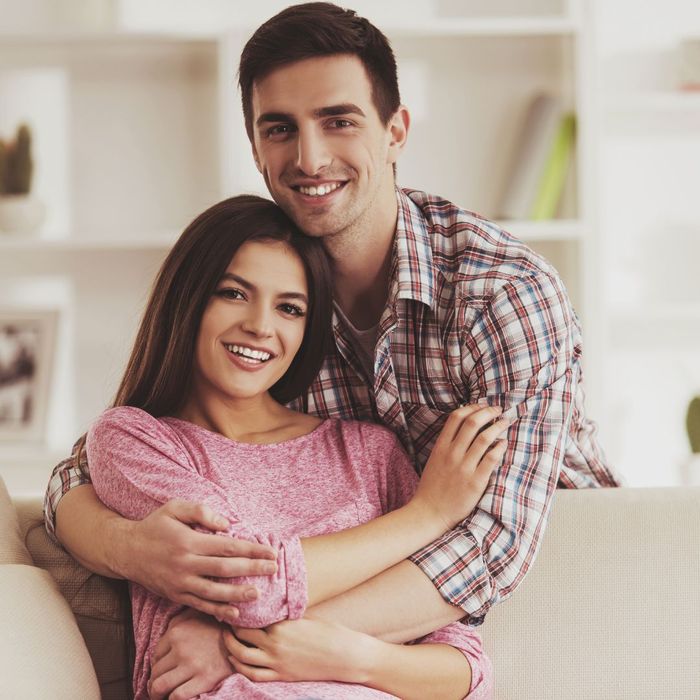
x: 270, y: 568
x: 221, y: 521
x: 252, y: 594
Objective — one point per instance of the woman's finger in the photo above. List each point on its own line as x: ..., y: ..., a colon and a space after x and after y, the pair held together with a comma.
x: 453, y: 424
x: 472, y: 425
x: 252, y: 656
x: 253, y: 673
x: 257, y: 637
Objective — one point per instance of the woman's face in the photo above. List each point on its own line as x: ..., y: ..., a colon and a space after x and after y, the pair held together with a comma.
x: 254, y: 323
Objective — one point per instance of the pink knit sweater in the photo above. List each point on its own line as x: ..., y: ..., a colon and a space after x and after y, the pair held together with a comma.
x: 340, y: 475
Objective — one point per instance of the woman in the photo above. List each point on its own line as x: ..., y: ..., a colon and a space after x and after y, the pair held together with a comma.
x: 237, y: 325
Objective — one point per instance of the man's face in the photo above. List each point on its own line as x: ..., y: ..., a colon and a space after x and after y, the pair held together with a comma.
x: 320, y: 145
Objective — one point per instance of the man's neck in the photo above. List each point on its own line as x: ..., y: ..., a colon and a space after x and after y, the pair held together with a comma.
x: 361, y: 264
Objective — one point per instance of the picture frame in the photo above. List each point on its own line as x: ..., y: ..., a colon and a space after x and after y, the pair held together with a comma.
x: 27, y: 343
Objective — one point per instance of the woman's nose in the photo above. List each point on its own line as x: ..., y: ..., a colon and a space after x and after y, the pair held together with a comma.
x: 258, y: 322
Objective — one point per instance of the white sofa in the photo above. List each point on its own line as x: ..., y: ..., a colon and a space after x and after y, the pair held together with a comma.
x: 611, y: 609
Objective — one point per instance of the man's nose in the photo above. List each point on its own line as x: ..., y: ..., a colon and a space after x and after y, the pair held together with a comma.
x: 312, y: 152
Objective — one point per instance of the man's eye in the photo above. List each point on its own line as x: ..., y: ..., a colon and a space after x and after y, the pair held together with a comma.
x: 279, y: 131
x: 340, y: 123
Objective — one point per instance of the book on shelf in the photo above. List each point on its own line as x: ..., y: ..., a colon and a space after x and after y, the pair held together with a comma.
x: 541, y: 161
x: 551, y: 183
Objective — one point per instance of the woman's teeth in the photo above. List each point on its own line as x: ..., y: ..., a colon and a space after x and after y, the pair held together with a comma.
x: 320, y: 190
x: 248, y: 354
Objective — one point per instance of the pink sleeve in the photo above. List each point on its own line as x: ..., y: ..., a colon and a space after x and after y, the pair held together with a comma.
x: 397, y: 479
x: 138, y: 464
x: 467, y: 640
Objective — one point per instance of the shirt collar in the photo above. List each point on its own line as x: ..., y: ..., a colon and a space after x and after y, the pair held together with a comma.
x: 412, y: 272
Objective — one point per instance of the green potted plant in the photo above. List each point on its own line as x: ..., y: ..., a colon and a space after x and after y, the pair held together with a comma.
x: 20, y: 212
x: 691, y: 476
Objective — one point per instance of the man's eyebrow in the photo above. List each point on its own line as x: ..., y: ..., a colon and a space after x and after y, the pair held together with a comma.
x: 273, y: 117
x: 331, y: 111
x: 338, y: 110
x: 250, y: 286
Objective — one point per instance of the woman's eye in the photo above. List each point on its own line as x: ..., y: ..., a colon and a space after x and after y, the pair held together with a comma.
x: 292, y: 310
x: 229, y: 293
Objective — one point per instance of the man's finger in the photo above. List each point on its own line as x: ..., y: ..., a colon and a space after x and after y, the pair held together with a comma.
x: 162, y: 686
x: 160, y: 650
x: 196, y: 514
x: 219, y: 611
x: 162, y: 666
x: 220, y: 592
x: 218, y: 546
x: 230, y: 567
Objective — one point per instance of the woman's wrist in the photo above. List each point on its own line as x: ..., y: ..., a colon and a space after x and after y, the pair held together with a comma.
x: 366, y: 660
x: 428, y: 517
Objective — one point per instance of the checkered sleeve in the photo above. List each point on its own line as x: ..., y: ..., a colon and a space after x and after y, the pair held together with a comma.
x: 67, y: 474
x: 523, y: 353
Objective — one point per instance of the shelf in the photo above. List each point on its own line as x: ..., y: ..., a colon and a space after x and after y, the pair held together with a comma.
x: 487, y: 27
x: 104, y: 39
x: 657, y: 325
x: 654, y: 101
x: 156, y: 241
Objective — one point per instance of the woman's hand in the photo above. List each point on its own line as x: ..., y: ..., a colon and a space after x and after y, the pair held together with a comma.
x: 300, y: 650
x: 463, y: 458
x: 189, y: 659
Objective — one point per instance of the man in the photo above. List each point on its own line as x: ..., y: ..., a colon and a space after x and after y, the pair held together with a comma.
x: 435, y: 307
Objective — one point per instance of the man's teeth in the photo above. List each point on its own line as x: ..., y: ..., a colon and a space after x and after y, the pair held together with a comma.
x: 249, y: 353
x: 320, y: 190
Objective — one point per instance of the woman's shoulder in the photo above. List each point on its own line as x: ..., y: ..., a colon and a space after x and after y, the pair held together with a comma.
x: 128, y: 420
x: 370, y: 435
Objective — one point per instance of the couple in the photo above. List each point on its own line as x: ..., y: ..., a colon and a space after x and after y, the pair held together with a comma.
x: 434, y: 308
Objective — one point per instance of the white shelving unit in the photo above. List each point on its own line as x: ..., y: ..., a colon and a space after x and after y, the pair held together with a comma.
x: 649, y: 154
x: 156, y: 135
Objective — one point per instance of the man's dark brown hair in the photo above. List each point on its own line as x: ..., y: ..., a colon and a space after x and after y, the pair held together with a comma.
x: 313, y: 30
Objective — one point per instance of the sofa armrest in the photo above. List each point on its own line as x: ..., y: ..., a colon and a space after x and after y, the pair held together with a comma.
x: 101, y: 605
x: 42, y: 653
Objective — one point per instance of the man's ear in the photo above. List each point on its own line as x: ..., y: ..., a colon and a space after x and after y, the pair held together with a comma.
x: 255, y: 157
x: 398, y: 132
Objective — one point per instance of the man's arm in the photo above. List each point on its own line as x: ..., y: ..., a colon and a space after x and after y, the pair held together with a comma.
x: 162, y: 552
x: 523, y: 354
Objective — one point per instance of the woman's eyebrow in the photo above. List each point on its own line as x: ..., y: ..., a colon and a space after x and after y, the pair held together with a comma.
x: 250, y: 286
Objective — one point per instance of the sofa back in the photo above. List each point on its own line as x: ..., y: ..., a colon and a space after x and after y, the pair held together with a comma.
x: 610, y: 610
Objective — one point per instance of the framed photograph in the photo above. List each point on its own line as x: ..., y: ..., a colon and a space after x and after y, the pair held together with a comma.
x: 27, y: 339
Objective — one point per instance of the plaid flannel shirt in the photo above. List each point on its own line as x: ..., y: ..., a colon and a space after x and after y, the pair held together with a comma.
x: 473, y: 316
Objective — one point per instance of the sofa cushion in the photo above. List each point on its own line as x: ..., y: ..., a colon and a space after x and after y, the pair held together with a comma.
x: 12, y: 548
x: 42, y: 653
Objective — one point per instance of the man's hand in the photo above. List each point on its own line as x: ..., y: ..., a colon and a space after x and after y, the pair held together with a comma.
x: 167, y: 556
x: 301, y: 650
x: 189, y: 659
